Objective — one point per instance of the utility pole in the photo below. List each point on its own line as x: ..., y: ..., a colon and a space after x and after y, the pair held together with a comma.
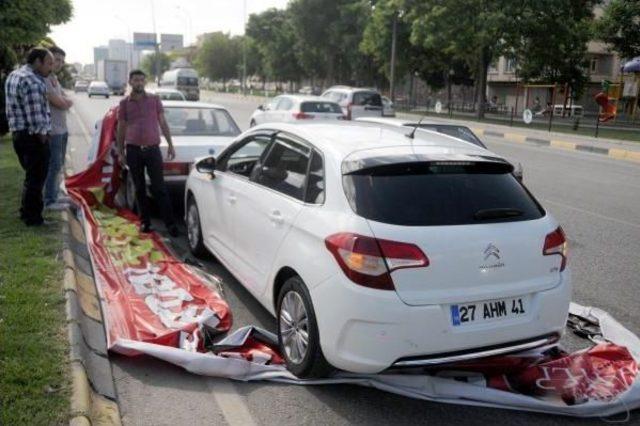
x: 392, y: 72
x: 157, y: 67
x: 244, y: 48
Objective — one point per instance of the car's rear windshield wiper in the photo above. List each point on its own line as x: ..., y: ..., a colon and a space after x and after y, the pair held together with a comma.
x: 497, y: 213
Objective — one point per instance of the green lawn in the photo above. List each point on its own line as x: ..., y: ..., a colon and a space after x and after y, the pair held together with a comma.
x: 34, y: 381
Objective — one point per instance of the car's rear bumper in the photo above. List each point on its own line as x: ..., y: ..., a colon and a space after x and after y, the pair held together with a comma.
x: 367, y: 331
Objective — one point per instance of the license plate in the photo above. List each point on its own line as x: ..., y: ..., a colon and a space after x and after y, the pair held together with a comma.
x: 488, y: 311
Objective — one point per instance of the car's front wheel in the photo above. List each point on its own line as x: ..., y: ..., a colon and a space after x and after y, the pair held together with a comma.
x: 298, y: 335
x: 194, y: 230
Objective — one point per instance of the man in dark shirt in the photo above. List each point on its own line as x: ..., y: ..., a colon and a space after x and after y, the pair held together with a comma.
x: 30, y: 124
x: 140, y: 118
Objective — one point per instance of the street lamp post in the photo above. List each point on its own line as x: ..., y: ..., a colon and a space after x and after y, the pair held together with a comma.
x: 392, y: 72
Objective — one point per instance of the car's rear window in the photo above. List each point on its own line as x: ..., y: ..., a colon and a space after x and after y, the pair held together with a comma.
x: 367, y: 98
x: 460, y: 132
x: 440, y: 193
x: 200, y: 122
x: 320, y: 107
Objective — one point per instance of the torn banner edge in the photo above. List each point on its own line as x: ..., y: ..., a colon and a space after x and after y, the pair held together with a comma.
x: 424, y: 387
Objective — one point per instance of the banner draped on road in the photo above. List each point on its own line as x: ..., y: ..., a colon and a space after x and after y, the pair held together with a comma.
x: 155, y: 304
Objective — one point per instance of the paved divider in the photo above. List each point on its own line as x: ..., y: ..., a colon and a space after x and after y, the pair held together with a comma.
x: 616, y: 153
x: 93, y: 397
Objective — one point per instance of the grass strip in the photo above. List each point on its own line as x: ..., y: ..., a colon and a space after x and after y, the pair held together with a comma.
x: 34, y: 379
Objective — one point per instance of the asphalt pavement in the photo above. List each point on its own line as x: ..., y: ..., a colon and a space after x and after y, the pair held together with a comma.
x: 597, y: 201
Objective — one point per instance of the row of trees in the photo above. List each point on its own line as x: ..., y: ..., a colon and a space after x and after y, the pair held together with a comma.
x: 443, y: 42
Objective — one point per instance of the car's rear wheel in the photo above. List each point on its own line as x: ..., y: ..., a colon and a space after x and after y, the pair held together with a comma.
x: 298, y: 335
x: 194, y: 230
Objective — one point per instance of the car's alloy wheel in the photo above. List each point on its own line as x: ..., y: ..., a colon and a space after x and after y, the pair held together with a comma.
x: 298, y: 335
x: 194, y: 230
x: 294, y: 327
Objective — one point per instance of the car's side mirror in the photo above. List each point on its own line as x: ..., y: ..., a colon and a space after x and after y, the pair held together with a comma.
x: 518, y: 172
x: 207, y: 165
x: 261, y: 108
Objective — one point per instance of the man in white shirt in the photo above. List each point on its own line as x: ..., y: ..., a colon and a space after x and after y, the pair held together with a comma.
x: 59, y: 105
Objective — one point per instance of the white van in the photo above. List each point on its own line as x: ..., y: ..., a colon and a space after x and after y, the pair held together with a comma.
x: 184, y: 80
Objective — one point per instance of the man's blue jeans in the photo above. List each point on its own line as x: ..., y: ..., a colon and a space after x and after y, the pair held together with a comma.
x: 58, y: 149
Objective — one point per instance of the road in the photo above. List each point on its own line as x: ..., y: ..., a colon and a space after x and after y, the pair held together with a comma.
x: 596, y: 199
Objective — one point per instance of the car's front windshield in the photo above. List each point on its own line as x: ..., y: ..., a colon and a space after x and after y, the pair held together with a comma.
x: 200, y: 122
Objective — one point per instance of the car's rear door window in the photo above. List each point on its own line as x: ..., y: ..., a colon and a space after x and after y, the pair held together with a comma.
x: 285, y: 168
x: 315, y: 180
x: 367, y: 98
x: 440, y: 193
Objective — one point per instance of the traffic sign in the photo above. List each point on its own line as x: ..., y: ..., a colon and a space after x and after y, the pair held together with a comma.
x: 527, y: 116
x: 438, y: 107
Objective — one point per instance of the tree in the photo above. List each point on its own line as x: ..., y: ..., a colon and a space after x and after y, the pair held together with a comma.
x: 149, y: 64
x: 273, y: 38
x: 219, y: 57
x: 475, y: 31
x: 432, y: 65
x: 557, y: 54
x: 620, y: 27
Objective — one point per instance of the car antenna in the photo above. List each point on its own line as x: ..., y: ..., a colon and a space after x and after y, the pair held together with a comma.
x: 413, y: 132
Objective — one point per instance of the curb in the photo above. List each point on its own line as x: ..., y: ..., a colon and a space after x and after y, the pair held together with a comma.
x: 614, y: 153
x: 93, y: 396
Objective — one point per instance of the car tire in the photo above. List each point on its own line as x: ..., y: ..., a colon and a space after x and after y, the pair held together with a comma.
x: 311, y: 363
x: 89, y: 94
x: 252, y: 123
x: 106, y: 96
x: 130, y: 194
x: 194, y: 229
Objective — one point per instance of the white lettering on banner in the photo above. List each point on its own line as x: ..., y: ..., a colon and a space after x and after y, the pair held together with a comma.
x: 165, y: 298
x: 581, y: 385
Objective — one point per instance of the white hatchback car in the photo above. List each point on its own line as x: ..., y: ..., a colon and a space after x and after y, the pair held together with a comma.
x: 377, y: 251
x: 294, y: 108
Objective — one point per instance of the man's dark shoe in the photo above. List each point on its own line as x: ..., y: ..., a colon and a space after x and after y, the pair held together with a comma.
x: 173, y: 231
x: 145, y: 228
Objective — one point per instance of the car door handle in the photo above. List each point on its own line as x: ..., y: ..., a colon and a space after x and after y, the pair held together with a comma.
x: 232, y: 199
x: 276, y: 217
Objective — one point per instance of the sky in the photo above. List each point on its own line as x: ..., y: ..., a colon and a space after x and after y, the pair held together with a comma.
x: 94, y: 22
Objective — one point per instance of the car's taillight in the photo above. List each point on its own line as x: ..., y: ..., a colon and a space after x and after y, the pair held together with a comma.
x: 556, y: 243
x: 369, y: 261
x: 302, y: 116
x: 175, y: 169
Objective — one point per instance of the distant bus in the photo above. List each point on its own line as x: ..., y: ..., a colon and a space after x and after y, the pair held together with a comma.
x: 184, y: 80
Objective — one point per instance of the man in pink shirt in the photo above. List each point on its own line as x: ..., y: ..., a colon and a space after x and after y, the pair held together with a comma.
x: 140, y: 119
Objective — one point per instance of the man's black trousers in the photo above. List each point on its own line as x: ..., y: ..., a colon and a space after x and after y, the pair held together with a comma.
x: 33, y: 155
x: 149, y: 159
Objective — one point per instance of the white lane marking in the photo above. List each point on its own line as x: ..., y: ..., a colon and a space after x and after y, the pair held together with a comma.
x: 86, y: 133
x: 234, y: 409
x: 601, y: 216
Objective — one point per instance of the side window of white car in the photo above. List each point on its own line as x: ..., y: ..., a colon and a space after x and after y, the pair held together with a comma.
x: 315, y: 180
x: 285, y: 168
x: 273, y: 103
x: 243, y: 160
x: 285, y: 104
